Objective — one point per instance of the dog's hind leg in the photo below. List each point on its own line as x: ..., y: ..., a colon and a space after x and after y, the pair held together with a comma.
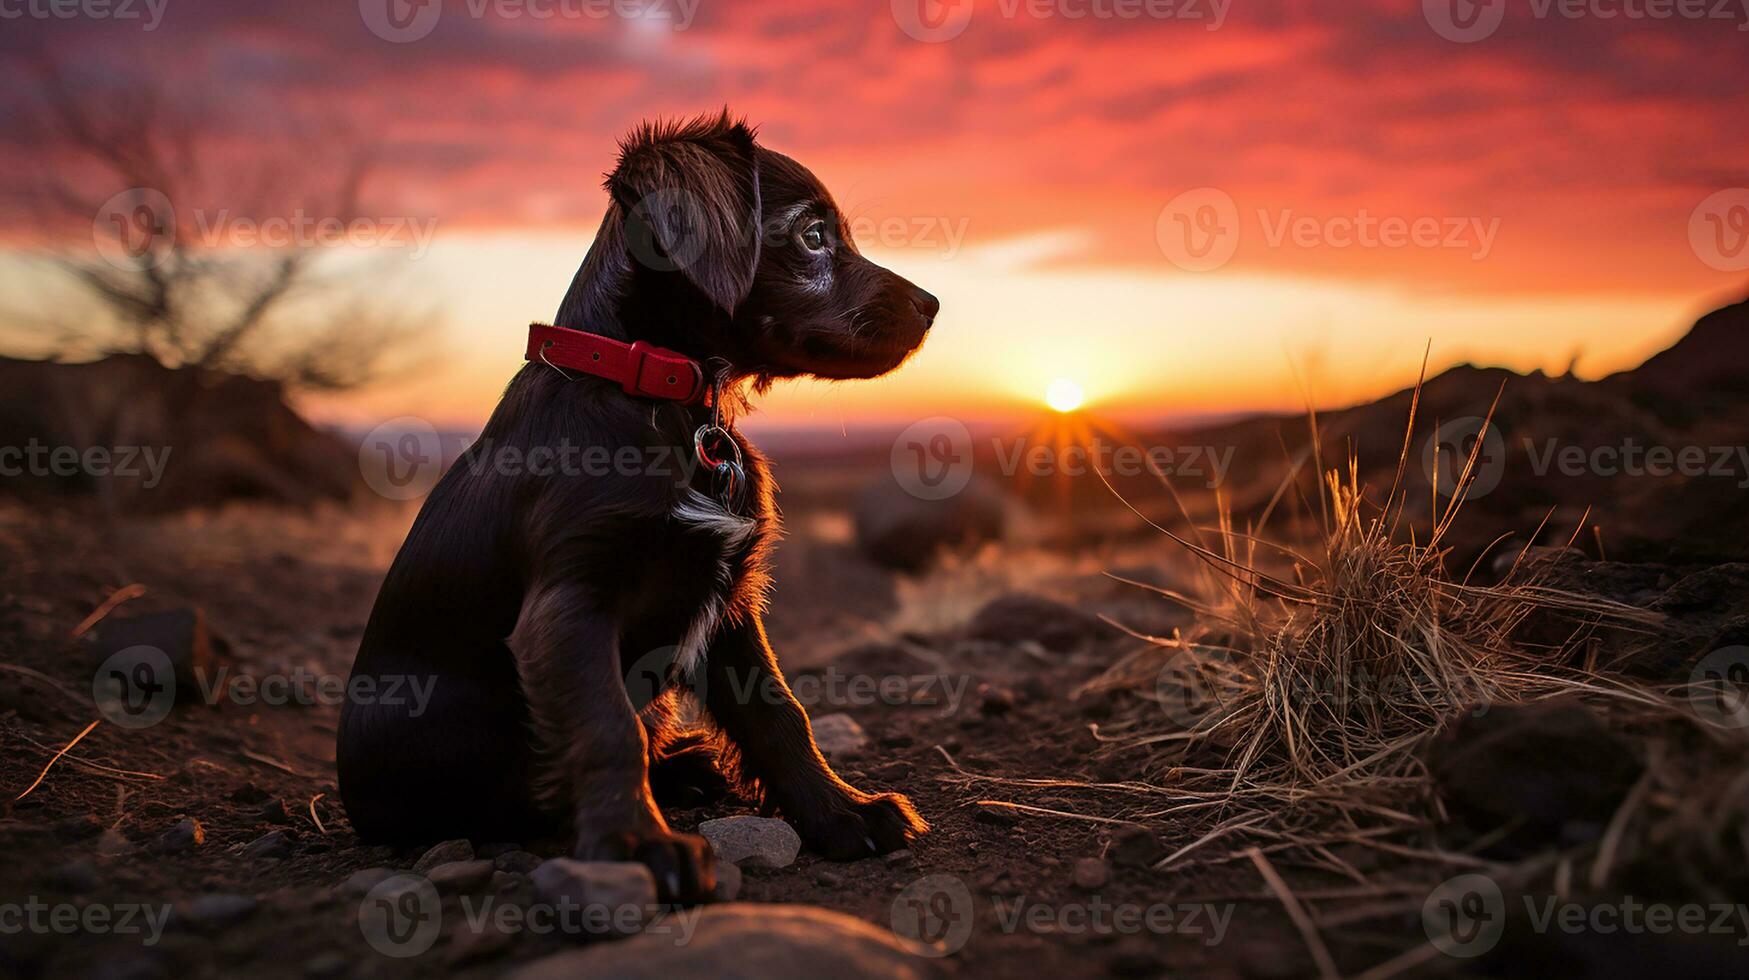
x: 425, y: 755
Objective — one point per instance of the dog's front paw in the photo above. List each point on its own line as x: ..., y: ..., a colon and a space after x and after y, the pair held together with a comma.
x: 683, y: 865
x: 863, y: 826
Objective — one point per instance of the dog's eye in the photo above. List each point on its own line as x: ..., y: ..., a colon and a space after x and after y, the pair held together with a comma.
x: 814, y: 236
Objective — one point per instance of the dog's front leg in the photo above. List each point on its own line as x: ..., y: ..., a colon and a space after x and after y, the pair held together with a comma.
x: 749, y: 699
x: 593, y: 746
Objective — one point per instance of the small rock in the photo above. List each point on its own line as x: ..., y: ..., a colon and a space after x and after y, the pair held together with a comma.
x: 898, y: 858
x: 754, y: 842
x: 363, y: 881
x: 626, y: 890
x: 994, y: 701
x: 217, y: 911
x: 274, y: 811
x: 249, y: 794
x: 186, y: 833
x: 493, y: 850
x: 1091, y: 874
x: 77, y: 876
x: 1136, y: 847
x: 444, y: 853
x: 275, y: 845
x: 504, y: 881
x: 728, y: 883
x: 516, y: 862
x: 1001, y: 816
x: 839, y: 735
x: 181, y: 635
x: 829, y: 879
x: 461, y: 877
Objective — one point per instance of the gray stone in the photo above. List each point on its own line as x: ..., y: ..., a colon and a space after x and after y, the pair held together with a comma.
x: 746, y: 940
x: 461, y: 877
x: 1091, y: 873
x: 274, y: 844
x: 838, y: 735
x: 624, y: 891
x: 517, y: 862
x: 444, y: 853
x: 752, y: 842
x: 183, y: 835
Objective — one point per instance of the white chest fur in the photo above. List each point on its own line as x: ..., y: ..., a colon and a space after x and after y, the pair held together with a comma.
x: 695, y: 510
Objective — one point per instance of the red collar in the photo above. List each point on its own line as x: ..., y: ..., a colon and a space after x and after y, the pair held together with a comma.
x: 641, y: 369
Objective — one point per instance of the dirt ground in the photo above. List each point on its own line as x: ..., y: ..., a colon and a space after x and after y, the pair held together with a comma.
x: 289, y: 592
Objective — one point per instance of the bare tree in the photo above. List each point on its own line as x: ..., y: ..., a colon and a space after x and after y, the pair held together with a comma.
x: 161, y: 190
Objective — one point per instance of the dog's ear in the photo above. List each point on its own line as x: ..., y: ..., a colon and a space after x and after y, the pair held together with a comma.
x: 689, y: 192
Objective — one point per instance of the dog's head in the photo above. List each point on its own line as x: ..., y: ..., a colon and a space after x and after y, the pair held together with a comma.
x: 755, y: 236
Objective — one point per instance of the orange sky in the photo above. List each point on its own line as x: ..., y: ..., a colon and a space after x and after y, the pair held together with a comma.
x: 1540, y: 193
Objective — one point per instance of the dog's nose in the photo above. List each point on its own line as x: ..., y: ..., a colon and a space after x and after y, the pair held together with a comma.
x: 926, y: 303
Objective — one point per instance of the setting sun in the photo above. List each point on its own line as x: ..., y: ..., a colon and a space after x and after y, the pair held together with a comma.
x: 1064, y: 395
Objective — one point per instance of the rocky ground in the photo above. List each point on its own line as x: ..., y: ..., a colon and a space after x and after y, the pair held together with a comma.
x: 210, y: 841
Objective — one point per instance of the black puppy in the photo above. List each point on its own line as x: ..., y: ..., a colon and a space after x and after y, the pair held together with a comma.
x: 526, y: 599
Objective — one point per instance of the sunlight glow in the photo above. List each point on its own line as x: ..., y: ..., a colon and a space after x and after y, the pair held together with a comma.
x: 1064, y: 395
